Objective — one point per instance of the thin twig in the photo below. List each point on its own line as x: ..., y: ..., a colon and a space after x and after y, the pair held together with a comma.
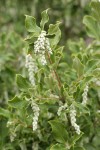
x: 56, y: 75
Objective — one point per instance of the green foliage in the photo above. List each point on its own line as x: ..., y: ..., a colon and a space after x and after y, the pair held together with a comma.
x: 17, y: 102
x: 4, y: 112
x: 51, y: 113
x: 31, y: 26
x: 22, y: 82
x: 11, y: 62
x: 45, y: 18
x: 59, y: 131
x: 93, y: 22
x: 78, y: 66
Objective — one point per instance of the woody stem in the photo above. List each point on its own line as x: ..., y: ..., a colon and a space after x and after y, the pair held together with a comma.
x: 56, y: 75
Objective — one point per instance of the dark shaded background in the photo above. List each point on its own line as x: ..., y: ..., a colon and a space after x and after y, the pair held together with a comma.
x: 69, y: 12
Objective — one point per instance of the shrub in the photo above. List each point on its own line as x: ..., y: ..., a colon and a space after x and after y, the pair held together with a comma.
x: 58, y: 103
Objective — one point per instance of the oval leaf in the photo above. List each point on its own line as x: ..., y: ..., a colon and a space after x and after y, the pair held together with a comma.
x: 30, y: 23
x: 45, y: 18
x: 78, y: 66
x: 22, y: 82
x: 59, y: 131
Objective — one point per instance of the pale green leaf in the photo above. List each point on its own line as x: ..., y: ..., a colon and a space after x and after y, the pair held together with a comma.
x: 75, y: 138
x: 31, y: 26
x: 22, y: 82
x: 78, y: 66
x: 54, y: 30
x: 45, y: 18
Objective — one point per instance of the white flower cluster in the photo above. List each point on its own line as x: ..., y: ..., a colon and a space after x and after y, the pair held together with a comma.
x: 32, y: 68
x: 36, y: 110
x: 84, y: 95
x: 61, y: 108
x: 12, y: 136
x: 42, y: 59
x: 11, y: 130
x: 73, y: 119
x: 9, y: 123
x: 40, y: 46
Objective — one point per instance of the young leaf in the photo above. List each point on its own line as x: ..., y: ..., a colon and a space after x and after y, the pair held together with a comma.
x: 75, y: 138
x: 45, y: 18
x: 78, y: 66
x: 22, y: 82
x: 59, y: 131
x: 54, y: 30
x: 30, y: 23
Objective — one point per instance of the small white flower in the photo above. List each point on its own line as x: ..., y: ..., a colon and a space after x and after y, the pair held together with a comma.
x: 47, y: 44
x: 36, y: 110
x: 73, y: 119
x: 9, y: 123
x: 43, y: 60
x: 41, y: 46
x: 61, y: 108
x: 84, y: 95
x: 32, y: 68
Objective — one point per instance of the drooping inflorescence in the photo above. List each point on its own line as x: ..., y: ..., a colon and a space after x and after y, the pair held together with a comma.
x: 11, y: 126
x: 36, y: 111
x: 84, y: 95
x: 41, y: 46
x: 32, y: 68
x: 61, y: 108
x: 73, y: 119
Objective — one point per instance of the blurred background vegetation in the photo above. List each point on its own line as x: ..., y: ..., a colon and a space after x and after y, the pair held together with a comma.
x: 69, y: 12
x: 12, y: 33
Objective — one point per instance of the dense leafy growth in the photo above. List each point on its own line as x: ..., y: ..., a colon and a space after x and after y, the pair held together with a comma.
x: 56, y: 95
